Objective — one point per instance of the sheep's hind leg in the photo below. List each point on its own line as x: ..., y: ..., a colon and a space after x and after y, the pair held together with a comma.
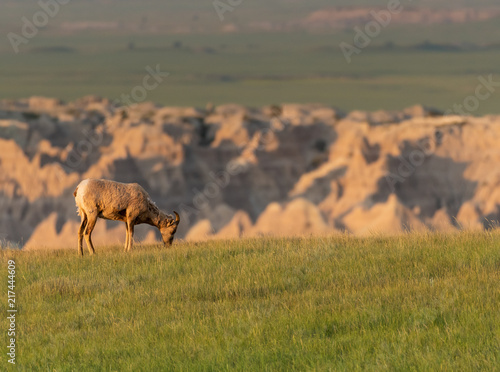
x: 80, y: 233
x: 88, y: 232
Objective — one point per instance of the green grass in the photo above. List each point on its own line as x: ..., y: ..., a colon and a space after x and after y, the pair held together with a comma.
x: 415, y: 302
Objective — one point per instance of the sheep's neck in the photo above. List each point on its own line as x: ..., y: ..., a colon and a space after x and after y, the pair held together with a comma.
x: 157, y: 218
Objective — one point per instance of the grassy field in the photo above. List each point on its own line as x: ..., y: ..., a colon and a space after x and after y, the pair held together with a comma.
x: 415, y: 302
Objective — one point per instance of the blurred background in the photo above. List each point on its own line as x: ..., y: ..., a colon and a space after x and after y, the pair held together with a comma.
x: 261, y: 52
x: 251, y: 117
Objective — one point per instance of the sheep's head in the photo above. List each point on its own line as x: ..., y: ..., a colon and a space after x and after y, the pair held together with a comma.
x: 168, y: 227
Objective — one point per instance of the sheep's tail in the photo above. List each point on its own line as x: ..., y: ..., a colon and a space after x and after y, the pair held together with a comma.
x: 77, y: 206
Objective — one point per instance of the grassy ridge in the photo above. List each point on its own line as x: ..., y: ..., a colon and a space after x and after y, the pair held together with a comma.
x: 416, y: 302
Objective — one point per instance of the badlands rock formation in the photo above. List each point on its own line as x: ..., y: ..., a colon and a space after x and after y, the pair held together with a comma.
x: 233, y: 171
x: 348, y: 17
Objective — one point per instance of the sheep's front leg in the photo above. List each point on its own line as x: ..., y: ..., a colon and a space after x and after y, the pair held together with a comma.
x: 80, y: 233
x: 126, y: 237
x: 130, y: 229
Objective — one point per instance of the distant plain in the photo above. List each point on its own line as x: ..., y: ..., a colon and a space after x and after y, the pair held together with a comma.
x: 435, y: 65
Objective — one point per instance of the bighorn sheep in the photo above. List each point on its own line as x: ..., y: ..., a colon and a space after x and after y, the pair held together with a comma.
x: 127, y: 202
